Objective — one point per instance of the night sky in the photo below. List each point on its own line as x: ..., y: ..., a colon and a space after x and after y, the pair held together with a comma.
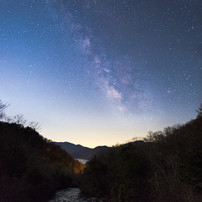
x: 101, y: 72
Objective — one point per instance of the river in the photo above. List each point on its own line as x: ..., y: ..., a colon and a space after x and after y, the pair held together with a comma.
x: 72, y: 195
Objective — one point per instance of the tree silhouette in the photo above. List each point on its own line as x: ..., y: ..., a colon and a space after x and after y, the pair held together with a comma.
x: 199, y: 111
x: 3, y: 106
x: 167, y: 166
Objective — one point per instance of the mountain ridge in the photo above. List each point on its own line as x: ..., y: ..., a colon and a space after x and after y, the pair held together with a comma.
x: 79, y: 151
x: 70, y: 147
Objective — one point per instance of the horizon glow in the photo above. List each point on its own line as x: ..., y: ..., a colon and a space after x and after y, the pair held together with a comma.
x: 101, y: 72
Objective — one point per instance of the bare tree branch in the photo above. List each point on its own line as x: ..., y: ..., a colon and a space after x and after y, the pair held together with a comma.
x: 3, y: 106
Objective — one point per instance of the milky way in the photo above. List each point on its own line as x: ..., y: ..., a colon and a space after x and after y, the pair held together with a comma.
x: 115, y: 69
x: 123, y: 80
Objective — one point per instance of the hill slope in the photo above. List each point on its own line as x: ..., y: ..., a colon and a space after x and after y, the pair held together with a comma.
x: 167, y: 166
x: 31, y: 167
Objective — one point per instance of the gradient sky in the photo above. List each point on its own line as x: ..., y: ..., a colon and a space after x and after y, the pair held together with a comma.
x: 101, y: 72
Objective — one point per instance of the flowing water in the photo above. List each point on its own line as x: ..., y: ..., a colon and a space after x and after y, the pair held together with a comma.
x: 72, y: 194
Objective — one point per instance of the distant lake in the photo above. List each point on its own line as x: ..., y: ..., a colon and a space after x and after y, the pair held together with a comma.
x: 84, y: 161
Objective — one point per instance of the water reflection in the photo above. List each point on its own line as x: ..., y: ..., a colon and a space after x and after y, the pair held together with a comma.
x: 84, y: 161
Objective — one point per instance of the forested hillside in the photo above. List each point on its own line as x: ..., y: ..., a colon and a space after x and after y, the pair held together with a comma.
x: 31, y: 167
x: 166, y: 167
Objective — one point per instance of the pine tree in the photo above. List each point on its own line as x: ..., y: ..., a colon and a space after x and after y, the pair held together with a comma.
x: 199, y: 111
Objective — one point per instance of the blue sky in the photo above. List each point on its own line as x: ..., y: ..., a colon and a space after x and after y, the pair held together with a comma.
x: 101, y: 72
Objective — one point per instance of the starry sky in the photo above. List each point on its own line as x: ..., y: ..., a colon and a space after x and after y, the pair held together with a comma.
x: 101, y: 72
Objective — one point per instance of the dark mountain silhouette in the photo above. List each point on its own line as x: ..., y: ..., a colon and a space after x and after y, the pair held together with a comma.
x: 32, y: 168
x: 79, y: 151
x: 166, y: 166
x: 88, y: 153
x: 70, y: 147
